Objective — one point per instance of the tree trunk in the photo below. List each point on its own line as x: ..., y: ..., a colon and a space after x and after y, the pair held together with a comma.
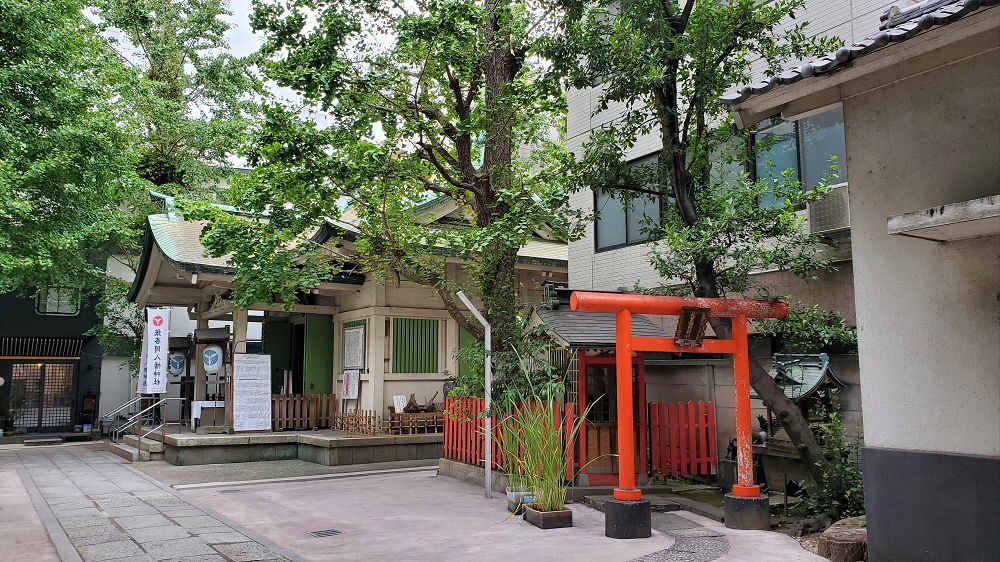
x: 706, y: 285
x: 791, y: 418
x: 788, y: 412
x: 498, y: 283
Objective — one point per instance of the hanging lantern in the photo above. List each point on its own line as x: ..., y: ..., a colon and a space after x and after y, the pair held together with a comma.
x: 211, y: 358
x: 176, y: 362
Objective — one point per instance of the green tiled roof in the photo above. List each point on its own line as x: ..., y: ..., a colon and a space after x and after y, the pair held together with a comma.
x: 180, y: 242
x: 802, y: 375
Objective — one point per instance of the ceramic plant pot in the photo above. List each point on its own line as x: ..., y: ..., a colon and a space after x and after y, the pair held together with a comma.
x: 548, y: 519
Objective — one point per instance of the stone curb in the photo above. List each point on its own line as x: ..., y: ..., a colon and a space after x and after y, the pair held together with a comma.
x: 67, y: 552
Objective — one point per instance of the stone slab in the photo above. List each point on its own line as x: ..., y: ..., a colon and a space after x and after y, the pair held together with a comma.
x: 194, y: 521
x: 220, y: 538
x: 176, y: 548
x: 109, y: 551
x: 130, y: 511
x: 246, y: 552
x: 137, y: 521
x: 162, y: 533
x: 84, y: 521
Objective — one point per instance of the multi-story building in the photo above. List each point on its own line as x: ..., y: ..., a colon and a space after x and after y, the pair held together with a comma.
x: 614, y: 252
x: 50, y: 369
x: 919, y: 94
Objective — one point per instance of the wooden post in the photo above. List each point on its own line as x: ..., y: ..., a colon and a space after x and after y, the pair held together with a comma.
x: 239, y: 346
x: 626, y: 490
x: 744, y: 420
x: 200, y: 377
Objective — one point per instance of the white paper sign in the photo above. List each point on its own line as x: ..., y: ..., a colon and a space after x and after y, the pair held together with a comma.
x: 354, y: 347
x: 352, y: 380
x: 251, y: 392
x: 155, y: 349
x: 399, y: 402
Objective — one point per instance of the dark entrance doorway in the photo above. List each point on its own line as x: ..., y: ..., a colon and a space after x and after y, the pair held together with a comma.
x: 41, y: 394
x: 599, y: 441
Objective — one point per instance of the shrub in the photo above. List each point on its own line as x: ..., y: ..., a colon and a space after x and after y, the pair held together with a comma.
x: 841, y: 492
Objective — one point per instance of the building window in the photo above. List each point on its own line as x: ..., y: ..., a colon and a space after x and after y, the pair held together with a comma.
x: 620, y: 224
x: 58, y: 302
x: 415, y: 345
x: 800, y: 150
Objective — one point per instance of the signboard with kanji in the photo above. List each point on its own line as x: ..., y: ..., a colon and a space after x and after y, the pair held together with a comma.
x: 155, y: 351
x: 251, y: 392
x: 352, y: 382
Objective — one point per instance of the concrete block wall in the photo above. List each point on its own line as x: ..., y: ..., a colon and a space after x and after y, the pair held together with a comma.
x: 712, y: 380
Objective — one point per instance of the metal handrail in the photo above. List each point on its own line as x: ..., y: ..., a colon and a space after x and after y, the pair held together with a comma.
x: 137, y: 418
x: 129, y: 404
x: 161, y: 426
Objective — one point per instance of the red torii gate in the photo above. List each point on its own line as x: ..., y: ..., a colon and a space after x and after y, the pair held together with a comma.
x: 629, y: 516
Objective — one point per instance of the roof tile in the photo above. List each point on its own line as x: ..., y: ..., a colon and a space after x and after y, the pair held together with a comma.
x: 899, y: 26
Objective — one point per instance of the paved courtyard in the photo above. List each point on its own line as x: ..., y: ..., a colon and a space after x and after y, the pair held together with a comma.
x: 95, y: 508
x: 72, y: 503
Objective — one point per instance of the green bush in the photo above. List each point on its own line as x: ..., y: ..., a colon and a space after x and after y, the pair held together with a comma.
x: 841, y: 492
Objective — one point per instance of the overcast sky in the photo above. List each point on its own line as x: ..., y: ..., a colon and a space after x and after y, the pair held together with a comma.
x: 242, y: 40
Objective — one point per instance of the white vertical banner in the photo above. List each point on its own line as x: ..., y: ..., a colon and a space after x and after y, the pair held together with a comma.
x: 157, y: 350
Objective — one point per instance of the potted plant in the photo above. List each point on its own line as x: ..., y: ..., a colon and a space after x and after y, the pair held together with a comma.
x: 511, y: 445
x: 543, y: 460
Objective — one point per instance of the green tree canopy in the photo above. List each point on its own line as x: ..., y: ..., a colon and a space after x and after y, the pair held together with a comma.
x: 67, y: 155
x: 668, y: 62
x: 194, y: 101
x: 421, y: 100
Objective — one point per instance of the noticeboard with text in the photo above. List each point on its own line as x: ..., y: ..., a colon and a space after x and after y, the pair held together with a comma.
x: 251, y: 392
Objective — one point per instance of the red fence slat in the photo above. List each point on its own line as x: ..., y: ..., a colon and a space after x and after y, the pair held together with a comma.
x: 683, y: 438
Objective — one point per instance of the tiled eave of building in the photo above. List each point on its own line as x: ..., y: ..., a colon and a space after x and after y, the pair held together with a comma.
x: 961, y: 21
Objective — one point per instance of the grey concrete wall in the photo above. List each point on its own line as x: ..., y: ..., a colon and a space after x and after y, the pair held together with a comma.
x: 712, y: 380
x: 377, y: 450
x: 928, y: 313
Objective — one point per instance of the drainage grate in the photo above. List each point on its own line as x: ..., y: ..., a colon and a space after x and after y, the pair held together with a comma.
x: 324, y: 533
x: 230, y: 491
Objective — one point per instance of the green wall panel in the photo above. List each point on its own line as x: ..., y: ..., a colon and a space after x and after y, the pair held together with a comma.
x: 317, y: 369
x: 414, y: 345
x: 466, y: 367
x: 278, y: 343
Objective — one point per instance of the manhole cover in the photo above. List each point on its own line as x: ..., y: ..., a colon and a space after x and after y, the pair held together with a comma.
x: 230, y: 491
x: 325, y: 533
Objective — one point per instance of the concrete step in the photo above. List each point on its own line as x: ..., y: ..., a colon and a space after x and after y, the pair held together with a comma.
x: 145, y: 443
x: 45, y: 441
x: 133, y: 454
x: 127, y: 452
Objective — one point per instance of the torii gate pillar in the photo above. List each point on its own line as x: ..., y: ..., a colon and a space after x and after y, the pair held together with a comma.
x: 628, y: 515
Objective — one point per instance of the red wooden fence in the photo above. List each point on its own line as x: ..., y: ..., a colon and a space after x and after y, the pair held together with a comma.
x: 465, y: 431
x: 683, y: 439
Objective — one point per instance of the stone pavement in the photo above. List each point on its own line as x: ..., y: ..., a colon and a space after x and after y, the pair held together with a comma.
x: 95, y: 508
x: 72, y: 503
x: 693, y: 542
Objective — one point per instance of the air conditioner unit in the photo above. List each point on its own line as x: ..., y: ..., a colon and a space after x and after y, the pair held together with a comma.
x: 832, y: 213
